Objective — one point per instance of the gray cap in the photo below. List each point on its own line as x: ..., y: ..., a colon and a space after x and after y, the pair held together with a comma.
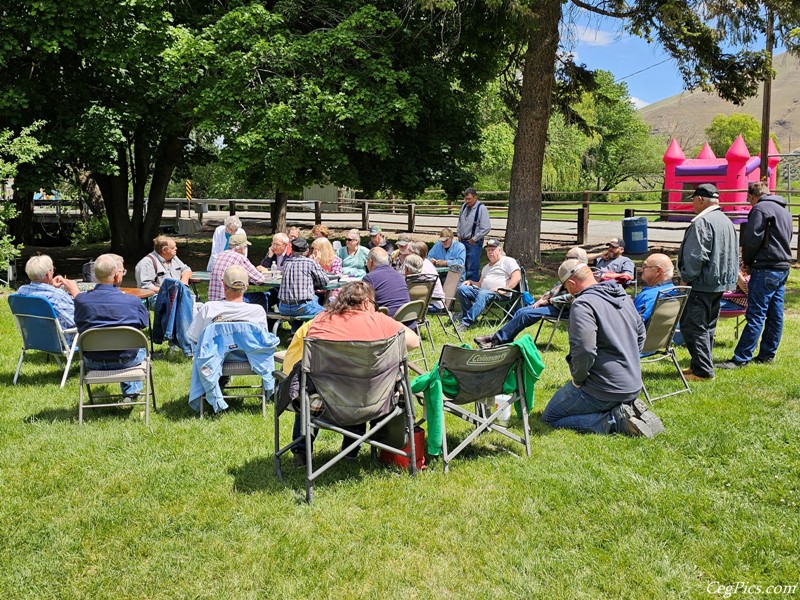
x: 493, y: 243
x: 568, y: 268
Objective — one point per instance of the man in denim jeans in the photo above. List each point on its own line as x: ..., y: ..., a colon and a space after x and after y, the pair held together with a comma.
x: 606, y: 335
x: 766, y: 251
x: 107, y: 306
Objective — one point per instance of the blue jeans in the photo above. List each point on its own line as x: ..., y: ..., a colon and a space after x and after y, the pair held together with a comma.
x: 473, y: 302
x: 129, y: 388
x: 764, y: 312
x: 572, y: 408
x: 472, y: 268
x: 312, y: 307
x: 524, y: 318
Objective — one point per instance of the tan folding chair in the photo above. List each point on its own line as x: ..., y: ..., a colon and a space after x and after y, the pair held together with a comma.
x: 410, y: 313
x: 660, y: 330
x: 420, y: 287
x: 450, y: 285
x: 115, y: 339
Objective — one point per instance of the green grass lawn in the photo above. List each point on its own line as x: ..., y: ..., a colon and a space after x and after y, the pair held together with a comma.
x: 191, y: 508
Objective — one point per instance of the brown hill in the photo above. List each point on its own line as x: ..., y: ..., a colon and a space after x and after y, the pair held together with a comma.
x: 685, y: 116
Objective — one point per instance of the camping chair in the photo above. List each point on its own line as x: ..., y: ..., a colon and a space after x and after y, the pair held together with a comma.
x: 347, y: 384
x: 501, y: 308
x: 561, y: 317
x: 420, y: 287
x: 450, y: 285
x: 38, y: 325
x: 413, y: 312
x: 740, y: 299
x: 113, y: 339
x: 660, y: 330
x: 481, y: 374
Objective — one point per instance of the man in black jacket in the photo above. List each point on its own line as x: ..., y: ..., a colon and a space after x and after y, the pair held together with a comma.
x: 766, y: 252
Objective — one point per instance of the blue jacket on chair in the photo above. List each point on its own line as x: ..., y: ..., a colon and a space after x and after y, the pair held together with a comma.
x: 217, y: 340
x: 173, y: 311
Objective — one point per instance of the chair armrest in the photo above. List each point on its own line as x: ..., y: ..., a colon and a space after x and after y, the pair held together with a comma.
x: 509, y: 292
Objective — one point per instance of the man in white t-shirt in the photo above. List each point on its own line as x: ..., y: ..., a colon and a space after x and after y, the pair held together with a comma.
x: 501, y: 272
x: 232, y: 308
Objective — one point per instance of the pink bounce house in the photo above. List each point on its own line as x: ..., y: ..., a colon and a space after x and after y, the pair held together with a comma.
x: 734, y: 172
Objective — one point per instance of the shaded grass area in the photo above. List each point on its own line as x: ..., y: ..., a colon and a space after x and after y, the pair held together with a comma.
x: 191, y: 508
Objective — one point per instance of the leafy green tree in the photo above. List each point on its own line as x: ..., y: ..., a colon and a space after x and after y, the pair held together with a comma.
x: 624, y: 147
x: 699, y: 35
x: 724, y: 130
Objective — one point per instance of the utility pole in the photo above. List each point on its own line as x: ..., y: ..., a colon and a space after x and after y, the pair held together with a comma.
x: 767, y: 100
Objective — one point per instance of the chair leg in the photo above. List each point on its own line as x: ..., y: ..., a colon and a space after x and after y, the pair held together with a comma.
x: 69, y: 362
x: 147, y: 392
x: 430, y: 335
x: 552, y: 335
x: 19, y: 366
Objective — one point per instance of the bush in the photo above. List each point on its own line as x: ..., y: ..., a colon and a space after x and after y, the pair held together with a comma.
x: 96, y: 229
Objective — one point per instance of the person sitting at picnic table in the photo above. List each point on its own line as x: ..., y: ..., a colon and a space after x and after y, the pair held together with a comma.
x: 353, y: 255
x: 107, y: 306
x: 293, y: 233
x: 611, y: 264
x: 235, y: 256
x: 162, y: 263
x: 552, y: 304
x: 279, y: 250
x: 57, y: 290
x: 302, y: 276
x: 501, y: 272
x: 448, y: 251
x: 352, y: 317
x: 219, y: 242
x: 323, y: 254
x: 231, y: 308
x: 378, y: 240
x: 401, y: 251
x: 391, y: 291
x: 420, y: 248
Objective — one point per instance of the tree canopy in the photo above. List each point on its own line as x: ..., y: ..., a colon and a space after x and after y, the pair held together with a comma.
x: 724, y: 129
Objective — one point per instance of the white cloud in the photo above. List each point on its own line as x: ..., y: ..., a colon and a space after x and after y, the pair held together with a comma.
x: 593, y: 37
x: 638, y: 102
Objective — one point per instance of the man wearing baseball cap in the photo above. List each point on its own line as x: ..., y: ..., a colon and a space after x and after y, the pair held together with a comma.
x: 378, y: 240
x: 231, y: 308
x: 235, y: 256
x: 448, y: 251
x: 611, y: 264
x: 606, y: 335
x: 302, y: 276
x: 708, y: 261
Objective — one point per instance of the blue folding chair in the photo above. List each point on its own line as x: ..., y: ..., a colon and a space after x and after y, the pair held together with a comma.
x: 40, y: 330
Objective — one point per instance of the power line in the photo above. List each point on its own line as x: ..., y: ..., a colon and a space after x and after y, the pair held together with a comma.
x: 643, y: 70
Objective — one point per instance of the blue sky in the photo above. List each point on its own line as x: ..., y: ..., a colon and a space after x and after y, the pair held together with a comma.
x: 599, y: 43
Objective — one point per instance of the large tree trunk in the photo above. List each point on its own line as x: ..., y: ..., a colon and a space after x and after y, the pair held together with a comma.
x: 90, y: 193
x: 21, y: 228
x: 524, y: 226
x: 278, y: 211
x: 132, y: 232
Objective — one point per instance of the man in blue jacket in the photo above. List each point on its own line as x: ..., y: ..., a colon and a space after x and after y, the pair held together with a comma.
x: 107, y: 306
x: 766, y: 251
x: 708, y: 262
x: 606, y: 335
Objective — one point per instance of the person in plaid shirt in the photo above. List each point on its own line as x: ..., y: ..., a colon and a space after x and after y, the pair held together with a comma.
x: 234, y: 256
x: 301, y: 276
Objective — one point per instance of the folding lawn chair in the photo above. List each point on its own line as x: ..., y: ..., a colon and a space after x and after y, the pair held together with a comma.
x: 561, y: 317
x: 502, y: 307
x: 38, y: 325
x: 481, y: 374
x: 740, y: 300
x: 115, y: 339
x: 450, y: 285
x: 411, y: 312
x: 343, y: 384
x: 660, y: 330
x: 420, y: 287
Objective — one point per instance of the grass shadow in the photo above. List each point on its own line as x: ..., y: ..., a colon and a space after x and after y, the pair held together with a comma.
x: 257, y: 475
x: 178, y: 410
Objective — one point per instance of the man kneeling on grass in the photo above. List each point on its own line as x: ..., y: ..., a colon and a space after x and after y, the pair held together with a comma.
x: 606, y: 335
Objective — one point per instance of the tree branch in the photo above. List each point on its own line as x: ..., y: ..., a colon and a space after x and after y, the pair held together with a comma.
x: 604, y: 12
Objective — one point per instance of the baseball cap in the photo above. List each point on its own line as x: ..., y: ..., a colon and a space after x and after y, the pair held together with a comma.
x: 237, y: 240
x: 375, y: 230
x: 568, y: 268
x: 235, y: 278
x: 493, y: 243
x: 403, y: 239
x: 299, y: 245
x: 705, y: 190
x: 445, y: 234
x: 616, y: 243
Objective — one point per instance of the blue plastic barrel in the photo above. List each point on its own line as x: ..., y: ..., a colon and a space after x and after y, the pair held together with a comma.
x: 634, y: 232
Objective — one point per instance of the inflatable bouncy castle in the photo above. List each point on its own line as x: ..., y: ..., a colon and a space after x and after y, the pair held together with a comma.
x: 734, y: 172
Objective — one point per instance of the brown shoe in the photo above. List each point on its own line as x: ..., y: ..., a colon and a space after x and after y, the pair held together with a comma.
x: 693, y: 377
x: 687, y: 371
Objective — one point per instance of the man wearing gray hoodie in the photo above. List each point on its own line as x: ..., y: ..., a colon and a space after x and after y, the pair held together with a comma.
x: 606, y: 335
